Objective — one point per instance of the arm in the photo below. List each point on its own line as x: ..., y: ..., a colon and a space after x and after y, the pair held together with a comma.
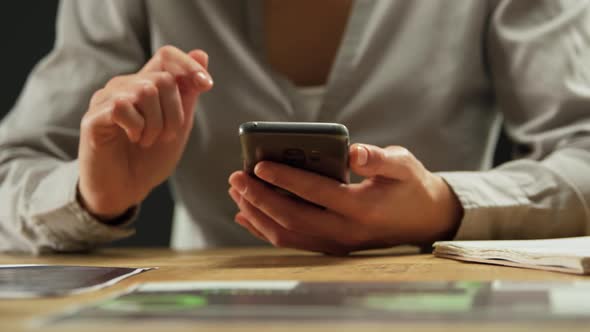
x: 39, y: 138
x: 540, y: 60
x: 539, y: 55
x: 130, y: 139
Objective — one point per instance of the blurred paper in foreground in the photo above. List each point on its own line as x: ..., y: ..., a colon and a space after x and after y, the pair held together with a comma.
x: 29, y: 281
x: 344, y: 302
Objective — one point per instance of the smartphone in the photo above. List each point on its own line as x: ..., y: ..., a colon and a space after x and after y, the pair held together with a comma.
x: 316, y: 147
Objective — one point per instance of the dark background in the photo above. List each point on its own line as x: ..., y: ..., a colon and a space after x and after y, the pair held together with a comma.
x: 27, y: 30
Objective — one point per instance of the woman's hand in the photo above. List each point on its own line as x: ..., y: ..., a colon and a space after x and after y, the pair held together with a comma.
x: 136, y: 129
x: 399, y: 202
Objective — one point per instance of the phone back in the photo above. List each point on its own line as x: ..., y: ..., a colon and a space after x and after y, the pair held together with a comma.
x: 316, y: 147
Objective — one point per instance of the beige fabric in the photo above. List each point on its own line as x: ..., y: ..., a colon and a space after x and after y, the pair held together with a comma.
x: 434, y: 76
x: 310, y: 101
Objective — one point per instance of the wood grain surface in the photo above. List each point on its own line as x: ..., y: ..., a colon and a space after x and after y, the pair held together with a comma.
x: 401, y: 264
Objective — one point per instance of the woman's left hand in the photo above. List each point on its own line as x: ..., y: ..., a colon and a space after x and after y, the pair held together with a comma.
x: 399, y: 202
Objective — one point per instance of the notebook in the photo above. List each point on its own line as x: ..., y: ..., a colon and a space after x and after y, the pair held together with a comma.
x: 571, y: 255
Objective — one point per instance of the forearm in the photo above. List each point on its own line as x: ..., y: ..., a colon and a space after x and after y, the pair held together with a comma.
x: 526, y: 198
x: 40, y: 212
x: 39, y: 138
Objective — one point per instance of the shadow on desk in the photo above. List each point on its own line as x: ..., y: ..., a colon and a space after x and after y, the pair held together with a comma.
x: 304, y: 259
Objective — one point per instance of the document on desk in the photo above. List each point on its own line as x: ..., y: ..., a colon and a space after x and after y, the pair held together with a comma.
x: 30, y: 281
x: 218, y: 302
x: 571, y: 255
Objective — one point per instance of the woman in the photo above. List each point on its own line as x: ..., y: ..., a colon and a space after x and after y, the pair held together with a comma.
x: 421, y: 84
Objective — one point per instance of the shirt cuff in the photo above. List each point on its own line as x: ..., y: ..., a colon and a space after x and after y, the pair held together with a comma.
x: 492, y: 203
x: 65, y: 224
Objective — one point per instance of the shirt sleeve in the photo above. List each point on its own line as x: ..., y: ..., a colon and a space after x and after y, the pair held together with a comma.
x: 39, y: 138
x: 539, y: 56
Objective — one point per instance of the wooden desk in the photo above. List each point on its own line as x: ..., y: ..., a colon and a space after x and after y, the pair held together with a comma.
x: 265, y: 263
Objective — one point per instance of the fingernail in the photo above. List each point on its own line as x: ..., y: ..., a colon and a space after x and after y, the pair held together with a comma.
x: 362, y: 155
x: 203, y: 79
x: 258, y: 170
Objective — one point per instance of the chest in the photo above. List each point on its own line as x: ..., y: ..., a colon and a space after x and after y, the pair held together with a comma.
x: 302, y: 37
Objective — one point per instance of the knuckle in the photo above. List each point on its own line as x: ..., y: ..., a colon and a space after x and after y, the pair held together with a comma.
x: 166, y: 52
x: 148, y: 89
x: 378, y: 159
x: 97, y: 97
x: 87, y: 123
x: 192, y: 70
x: 113, y: 81
x: 403, y: 158
x: 88, y: 129
x: 405, y: 155
x: 380, y: 156
x: 121, y: 100
x: 117, y: 80
x: 164, y: 80
x: 399, y: 151
x: 407, y: 161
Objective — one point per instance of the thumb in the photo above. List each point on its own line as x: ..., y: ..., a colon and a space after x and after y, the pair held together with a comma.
x: 392, y: 162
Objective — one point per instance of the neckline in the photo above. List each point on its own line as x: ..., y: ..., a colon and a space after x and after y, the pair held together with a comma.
x: 341, y: 66
x: 313, y: 90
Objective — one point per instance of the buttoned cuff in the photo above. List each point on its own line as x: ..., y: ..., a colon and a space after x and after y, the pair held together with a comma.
x: 64, y: 223
x: 492, y: 203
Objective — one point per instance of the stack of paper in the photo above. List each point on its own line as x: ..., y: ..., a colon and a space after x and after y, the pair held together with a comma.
x: 570, y: 255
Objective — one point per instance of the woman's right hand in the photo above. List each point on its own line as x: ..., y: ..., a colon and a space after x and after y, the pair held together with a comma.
x: 136, y: 129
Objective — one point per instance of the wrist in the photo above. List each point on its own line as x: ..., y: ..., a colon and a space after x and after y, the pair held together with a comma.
x: 449, y: 210
x: 107, y: 216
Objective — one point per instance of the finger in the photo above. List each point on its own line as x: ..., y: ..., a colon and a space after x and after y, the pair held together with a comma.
x: 171, y: 105
x: 393, y: 162
x: 157, y: 98
x: 128, y: 118
x: 261, y: 224
x: 99, y: 97
x: 312, y: 187
x: 148, y: 103
x: 201, y: 57
x: 190, y: 100
x: 118, y: 113
x: 280, y: 236
x: 243, y: 221
x: 181, y: 65
x: 292, y: 214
